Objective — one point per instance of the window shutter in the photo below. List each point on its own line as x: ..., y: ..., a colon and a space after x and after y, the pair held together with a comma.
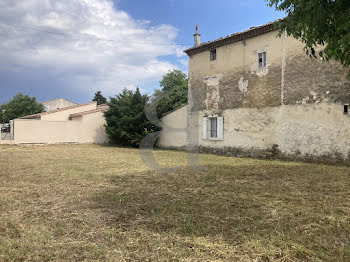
x: 220, y: 120
x: 204, y: 128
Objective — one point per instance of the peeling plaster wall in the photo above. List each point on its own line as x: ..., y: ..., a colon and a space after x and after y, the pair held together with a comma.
x: 248, y: 128
x: 293, y: 106
x: 314, y: 130
x: 300, y: 130
x: 241, y: 82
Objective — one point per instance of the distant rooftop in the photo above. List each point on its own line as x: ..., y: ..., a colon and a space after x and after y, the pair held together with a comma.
x: 58, y: 99
x: 38, y: 116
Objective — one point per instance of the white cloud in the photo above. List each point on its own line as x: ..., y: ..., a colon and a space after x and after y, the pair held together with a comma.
x: 184, y: 64
x: 86, y: 64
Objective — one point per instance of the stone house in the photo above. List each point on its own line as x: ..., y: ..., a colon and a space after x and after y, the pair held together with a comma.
x: 254, y: 93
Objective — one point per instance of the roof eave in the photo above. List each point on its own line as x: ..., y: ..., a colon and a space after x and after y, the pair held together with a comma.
x: 29, y: 117
x: 80, y: 114
x: 175, y: 109
x: 237, y: 37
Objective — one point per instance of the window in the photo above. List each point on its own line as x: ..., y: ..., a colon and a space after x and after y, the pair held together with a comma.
x: 262, y: 59
x: 346, y: 109
x: 213, y: 127
x: 213, y: 55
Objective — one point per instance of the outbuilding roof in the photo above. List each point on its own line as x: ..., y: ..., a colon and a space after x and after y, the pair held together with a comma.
x: 99, y: 109
x: 171, y: 111
x: 236, y: 37
x: 35, y: 116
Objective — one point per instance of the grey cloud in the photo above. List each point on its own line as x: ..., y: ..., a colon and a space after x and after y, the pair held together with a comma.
x: 83, y: 63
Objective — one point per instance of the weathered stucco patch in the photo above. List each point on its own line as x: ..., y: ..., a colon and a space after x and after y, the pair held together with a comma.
x: 213, y: 93
x: 305, y: 99
x: 213, y: 97
x: 314, y: 95
x: 243, y: 86
x: 262, y: 71
x: 212, y: 80
x: 314, y: 81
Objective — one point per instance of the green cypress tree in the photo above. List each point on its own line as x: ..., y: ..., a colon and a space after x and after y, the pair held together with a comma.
x: 99, y: 98
x: 126, y: 122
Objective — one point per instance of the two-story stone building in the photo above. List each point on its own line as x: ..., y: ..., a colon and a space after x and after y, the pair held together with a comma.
x: 254, y: 93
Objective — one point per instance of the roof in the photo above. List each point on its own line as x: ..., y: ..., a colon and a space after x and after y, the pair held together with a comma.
x: 236, y: 37
x: 34, y: 116
x: 99, y: 109
x: 58, y: 99
x: 167, y: 113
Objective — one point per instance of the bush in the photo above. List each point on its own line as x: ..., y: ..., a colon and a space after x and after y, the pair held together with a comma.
x: 126, y: 122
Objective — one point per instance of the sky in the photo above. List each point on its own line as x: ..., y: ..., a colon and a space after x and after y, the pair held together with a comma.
x: 72, y: 48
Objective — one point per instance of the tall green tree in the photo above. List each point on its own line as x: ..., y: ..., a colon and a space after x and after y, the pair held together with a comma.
x: 99, y: 98
x: 173, y: 93
x: 20, y: 105
x: 324, y: 23
x: 126, y: 122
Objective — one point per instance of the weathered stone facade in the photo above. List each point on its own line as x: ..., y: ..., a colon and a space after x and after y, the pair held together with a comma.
x: 293, y: 107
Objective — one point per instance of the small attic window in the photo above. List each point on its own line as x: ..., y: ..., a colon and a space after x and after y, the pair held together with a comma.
x: 262, y: 59
x: 346, y: 109
x: 213, y: 55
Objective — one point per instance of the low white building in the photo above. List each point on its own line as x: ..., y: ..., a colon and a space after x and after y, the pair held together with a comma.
x: 82, y: 123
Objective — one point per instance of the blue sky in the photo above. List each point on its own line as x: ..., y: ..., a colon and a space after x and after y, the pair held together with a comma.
x: 48, y: 66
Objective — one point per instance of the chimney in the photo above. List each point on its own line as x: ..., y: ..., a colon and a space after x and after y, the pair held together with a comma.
x: 197, y: 37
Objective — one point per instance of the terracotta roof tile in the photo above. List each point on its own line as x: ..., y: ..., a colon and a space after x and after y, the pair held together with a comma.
x: 236, y: 37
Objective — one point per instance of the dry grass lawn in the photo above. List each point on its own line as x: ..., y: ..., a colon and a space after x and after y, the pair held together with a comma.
x: 95, y: 203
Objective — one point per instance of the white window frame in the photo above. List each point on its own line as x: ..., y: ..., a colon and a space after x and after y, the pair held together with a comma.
x: 207, y: 129
x: 264, y: 61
